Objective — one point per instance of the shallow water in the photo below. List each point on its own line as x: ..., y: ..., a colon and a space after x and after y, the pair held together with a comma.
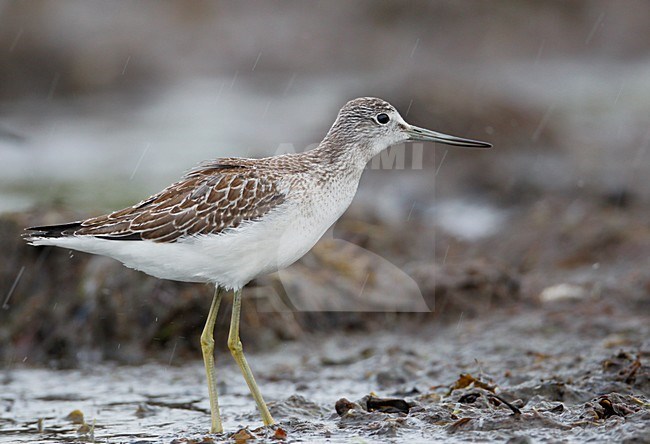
x: 554, y: 369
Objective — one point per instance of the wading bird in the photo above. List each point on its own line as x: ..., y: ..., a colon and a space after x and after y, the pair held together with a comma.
x: 231, y: 219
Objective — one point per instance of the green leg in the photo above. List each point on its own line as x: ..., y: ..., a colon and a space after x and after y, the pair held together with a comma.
x: 235, y: 346
x: 207, y: 347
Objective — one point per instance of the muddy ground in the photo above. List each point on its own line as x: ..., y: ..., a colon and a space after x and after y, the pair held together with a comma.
x: 538, y: 333
x: 565, y: 380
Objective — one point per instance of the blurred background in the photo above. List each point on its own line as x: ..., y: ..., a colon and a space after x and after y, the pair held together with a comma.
x: 105, y: 103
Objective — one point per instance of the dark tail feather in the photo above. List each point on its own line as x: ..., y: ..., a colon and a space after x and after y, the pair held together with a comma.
x: 62, y: 230
x: 69, y: 229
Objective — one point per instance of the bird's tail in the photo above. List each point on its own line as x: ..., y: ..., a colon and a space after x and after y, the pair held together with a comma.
x: 50, y: 231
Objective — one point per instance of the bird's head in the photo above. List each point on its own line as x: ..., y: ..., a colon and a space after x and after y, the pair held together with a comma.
x: 372, y: 125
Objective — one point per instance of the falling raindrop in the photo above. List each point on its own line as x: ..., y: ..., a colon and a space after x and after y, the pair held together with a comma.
x: 417, y: 43
x: 460, y: 320
x: 540, y: 51
x: 256, y: 61
x: 234, y: 79
x: 137, y: 165
x: 594, y: 28
x: 53, y: 84
x: 409, y: 108
x: 441, y: 162
x: 15, y: 40
x: 444, y: 259
x: 542, y: 123
x: 171, y: 357
x: 126, y: 64
x: 411, y: 211
x: 5, y: 305
x: 266, y: 108
x: 290, y: 84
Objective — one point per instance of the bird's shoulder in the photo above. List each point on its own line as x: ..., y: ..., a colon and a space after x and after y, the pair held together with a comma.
x: 212, y: 197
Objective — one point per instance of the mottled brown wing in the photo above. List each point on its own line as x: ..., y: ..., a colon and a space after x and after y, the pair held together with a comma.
x: 207, y: 200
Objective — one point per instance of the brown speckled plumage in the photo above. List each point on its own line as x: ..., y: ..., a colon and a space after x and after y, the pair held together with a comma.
x: 208, y: 200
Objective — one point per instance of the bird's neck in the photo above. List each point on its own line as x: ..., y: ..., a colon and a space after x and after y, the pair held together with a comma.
x: 341, y: 157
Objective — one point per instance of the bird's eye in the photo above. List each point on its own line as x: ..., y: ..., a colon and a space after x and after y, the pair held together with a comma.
x: 382, y: 118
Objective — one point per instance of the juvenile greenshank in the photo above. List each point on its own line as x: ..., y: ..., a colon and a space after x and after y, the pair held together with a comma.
x: 230, y: 220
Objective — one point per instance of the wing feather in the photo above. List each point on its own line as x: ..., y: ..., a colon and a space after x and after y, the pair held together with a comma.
x: 208, y: 200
